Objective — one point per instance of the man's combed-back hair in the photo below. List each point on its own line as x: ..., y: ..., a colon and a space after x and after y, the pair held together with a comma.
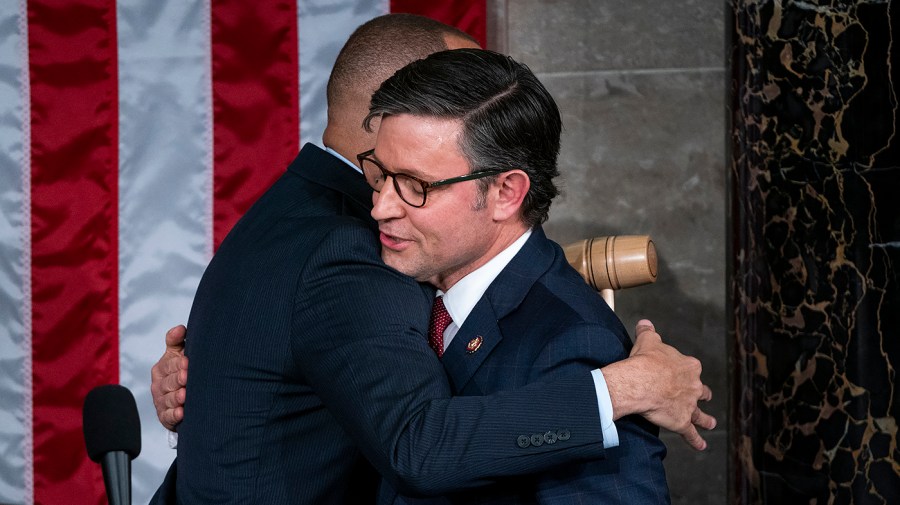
x: 380, y: 46
x: 509, y: 119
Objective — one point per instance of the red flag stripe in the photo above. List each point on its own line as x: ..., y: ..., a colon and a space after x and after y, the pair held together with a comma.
x: 255, y: 111
x: 469, y: 16
x: 74, y: 198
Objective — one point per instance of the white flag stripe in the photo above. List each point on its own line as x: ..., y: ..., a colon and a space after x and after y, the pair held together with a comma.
x: 165, y: 195
x: 15, y: 232
x: 322, y: 28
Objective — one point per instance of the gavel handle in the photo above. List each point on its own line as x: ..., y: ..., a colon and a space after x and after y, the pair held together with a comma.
x: 607, y: 295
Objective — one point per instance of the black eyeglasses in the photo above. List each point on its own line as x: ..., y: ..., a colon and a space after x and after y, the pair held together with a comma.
x: 411, y: 190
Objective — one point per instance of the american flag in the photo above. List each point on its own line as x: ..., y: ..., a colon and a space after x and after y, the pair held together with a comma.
x: 133, y: 134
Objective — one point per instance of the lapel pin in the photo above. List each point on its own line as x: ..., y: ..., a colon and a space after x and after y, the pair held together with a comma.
x: 474, y: 344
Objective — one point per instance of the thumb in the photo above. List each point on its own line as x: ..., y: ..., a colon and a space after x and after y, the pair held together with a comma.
x: 645, y: 326
x: 175, y: 337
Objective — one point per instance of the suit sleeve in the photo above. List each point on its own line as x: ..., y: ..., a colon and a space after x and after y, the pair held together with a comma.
x: 359, y: 340
x: 632, y: 472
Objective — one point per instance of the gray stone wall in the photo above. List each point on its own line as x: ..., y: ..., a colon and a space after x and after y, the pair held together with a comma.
x: 642, y: 87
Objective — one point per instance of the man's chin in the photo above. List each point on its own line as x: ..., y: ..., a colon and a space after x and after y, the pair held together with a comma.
x: 396, y: 261
x: 392, y: 260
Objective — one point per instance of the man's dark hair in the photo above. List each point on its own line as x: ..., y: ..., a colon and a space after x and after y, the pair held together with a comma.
x: 383, y: 44
x: 509, y: 119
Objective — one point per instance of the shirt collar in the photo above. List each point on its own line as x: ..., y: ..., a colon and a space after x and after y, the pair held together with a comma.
x: 464, y: 295
x: 340, y: 157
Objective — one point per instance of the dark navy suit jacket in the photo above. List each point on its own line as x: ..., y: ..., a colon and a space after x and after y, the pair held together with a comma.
x: 537, y: 321
x: 308, y: 354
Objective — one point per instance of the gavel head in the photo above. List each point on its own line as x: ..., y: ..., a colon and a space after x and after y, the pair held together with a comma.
x: 614, y: 262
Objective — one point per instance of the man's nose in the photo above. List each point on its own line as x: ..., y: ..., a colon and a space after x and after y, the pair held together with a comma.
x: 387, y: 204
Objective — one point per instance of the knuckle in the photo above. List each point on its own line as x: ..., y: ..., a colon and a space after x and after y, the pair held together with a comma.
x: 170, y: 400
x: 695, y: 364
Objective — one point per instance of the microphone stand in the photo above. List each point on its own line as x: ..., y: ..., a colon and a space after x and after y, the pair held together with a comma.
x: 117, y: 477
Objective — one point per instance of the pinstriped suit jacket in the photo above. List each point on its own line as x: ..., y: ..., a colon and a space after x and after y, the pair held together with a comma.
x: 539, y: 320
x: 307, y: 354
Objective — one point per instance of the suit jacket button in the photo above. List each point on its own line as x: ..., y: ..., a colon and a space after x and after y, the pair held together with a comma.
x: 550, y: 437
x: 563, y: 434
x: 537, y: 440
x: 523, y: 441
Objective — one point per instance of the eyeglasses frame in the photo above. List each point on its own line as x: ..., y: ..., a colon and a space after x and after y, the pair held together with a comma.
x: 426, y: 185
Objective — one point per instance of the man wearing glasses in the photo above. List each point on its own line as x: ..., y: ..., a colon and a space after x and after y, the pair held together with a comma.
x: 463, y: 171
x: 309, y: 356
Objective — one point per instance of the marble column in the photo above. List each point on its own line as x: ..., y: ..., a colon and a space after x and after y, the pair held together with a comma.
x: 815, y: 251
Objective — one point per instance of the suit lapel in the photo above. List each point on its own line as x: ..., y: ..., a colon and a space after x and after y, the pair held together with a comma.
x: 481, y: 333
x: 472, y: 345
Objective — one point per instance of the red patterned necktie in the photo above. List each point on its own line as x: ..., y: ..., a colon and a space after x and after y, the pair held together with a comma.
x: 440, y: 320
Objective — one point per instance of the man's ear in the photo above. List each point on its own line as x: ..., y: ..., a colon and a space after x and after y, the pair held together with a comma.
x: 509, y: 191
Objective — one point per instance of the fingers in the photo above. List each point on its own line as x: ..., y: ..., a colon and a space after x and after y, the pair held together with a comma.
x: 706, y: 395
x: 702, y: 419
x: 174, y: 400
x: 171, y: 365
x: 168, y: 390
x: 677, y: 389
x: 693, y: 438
x: 168, y: 379
x: 170, y: 418
x: 690, y: 433
x: 173, y: 381
x: 170, y: 408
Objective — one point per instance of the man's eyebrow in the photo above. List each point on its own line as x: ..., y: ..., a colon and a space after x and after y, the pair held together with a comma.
x: 403, y: 171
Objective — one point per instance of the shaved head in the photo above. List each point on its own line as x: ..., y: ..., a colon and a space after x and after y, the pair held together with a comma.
x: 376, y: 50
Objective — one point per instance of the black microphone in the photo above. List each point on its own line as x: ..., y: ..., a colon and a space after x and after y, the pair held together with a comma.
x: 112, y: 434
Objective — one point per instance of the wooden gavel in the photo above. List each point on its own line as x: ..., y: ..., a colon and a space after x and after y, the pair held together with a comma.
x: 614, y: 262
